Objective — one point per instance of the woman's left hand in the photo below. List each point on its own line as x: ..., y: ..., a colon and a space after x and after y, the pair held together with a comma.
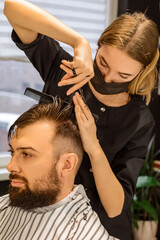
x: 86, y: 125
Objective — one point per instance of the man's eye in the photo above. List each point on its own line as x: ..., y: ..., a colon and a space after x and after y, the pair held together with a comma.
x: 11, y: 152
x: 27, y: 155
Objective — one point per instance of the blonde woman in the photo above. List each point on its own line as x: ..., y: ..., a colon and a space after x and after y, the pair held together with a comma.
x: 116, y: 86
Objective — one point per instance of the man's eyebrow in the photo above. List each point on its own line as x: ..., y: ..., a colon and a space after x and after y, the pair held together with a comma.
x: 10, y: 145
x: 121, y: 73
x: 24, y: 148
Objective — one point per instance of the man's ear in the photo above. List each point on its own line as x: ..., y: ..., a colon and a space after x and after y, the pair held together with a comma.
x: 68, y: 163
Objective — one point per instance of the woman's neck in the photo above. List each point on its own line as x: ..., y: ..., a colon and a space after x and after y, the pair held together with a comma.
x: 115, y: 100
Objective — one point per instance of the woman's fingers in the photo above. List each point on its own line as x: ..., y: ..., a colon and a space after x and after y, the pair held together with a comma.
x: 72, y: 80
x: 84, y: 108
x: 67, y: 70
x: 71, y: 67
x: 77, y: 82
x: 65, y: 77
x: 80, y: 115
x: 77, y: 86
x: 76, y: 63
x: 71, y: 70
x: 76, y: 73
x: 68, y: 63
x: 86, y: 124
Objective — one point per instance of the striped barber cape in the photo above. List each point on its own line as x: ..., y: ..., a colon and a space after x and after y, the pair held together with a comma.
x: 70, y: 218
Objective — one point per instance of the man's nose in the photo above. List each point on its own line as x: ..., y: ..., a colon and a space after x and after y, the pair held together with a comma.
x: 13, y: 165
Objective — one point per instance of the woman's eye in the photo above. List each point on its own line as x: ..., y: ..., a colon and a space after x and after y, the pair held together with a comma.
x: 124, y: 77
x: 103, y: 64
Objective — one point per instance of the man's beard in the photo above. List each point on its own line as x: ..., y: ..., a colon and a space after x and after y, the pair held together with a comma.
x: 44, y: 193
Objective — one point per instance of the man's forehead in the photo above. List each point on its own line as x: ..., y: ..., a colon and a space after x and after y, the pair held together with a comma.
x: 40, y: 132
x: 39, y: 126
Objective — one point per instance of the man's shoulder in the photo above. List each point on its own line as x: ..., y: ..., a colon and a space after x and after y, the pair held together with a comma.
x: 79, y: 189
x: 85, y: 223
x: 4, y: 201
x: 78, y: 197
x: 4, y: 197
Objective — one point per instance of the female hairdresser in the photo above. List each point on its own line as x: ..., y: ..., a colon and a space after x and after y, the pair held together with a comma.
x: 116, y: 87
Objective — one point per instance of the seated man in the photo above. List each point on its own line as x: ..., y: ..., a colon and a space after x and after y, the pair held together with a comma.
x: 43, y: 202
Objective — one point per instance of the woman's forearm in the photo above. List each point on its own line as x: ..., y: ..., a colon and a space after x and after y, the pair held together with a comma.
x: 109, y: 188
x: 30, y: 17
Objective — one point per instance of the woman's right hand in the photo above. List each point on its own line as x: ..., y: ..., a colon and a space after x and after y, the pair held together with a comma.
x: 82, y: 64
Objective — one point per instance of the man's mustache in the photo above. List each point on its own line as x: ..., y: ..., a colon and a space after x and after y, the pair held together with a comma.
x: 17, y: 177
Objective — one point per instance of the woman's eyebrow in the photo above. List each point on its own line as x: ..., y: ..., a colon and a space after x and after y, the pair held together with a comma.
x: 127, y: 74
x: 120, y: 73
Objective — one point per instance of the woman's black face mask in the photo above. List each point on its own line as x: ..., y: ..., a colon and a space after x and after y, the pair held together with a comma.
x: 102, y: 87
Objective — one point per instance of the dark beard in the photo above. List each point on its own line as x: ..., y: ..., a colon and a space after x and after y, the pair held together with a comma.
x: 45, y: 192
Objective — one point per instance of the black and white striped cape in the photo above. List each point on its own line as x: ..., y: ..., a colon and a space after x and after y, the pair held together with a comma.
x: 71, y: 218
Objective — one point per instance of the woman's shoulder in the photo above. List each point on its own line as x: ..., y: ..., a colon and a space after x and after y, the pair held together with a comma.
x: 40, y: 43
x: 139, y: 108
x: 139, y: 103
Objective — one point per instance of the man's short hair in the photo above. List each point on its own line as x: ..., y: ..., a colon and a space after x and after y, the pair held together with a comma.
x: 66, y: 126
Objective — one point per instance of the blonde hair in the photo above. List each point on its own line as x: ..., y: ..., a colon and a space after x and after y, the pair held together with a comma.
x: 138, y: 37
